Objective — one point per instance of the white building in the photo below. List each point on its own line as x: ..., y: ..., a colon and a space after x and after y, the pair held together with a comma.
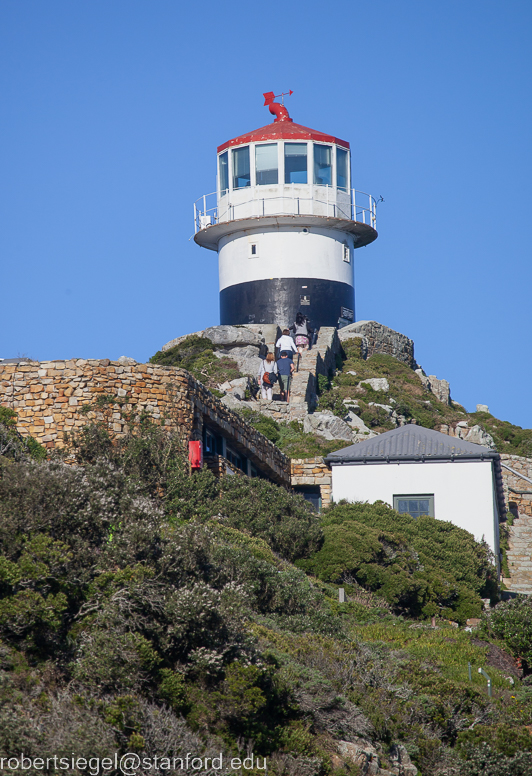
x: 285, y: 222
x: 423, y: 472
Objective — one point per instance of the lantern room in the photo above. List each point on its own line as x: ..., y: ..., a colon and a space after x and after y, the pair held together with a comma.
x: 285, y: 222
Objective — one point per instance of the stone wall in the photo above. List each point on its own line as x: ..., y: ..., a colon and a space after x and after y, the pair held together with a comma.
x: 313, y: 472
x: 377, y: 338
x: 48, y: 397
x: 520, y: 532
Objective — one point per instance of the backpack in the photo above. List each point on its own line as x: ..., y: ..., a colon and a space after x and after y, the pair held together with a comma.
x: 269, y: 379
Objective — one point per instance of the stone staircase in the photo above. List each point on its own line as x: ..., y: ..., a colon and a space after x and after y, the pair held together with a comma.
x: 520, y: 555
x: 517, y: 483
x: 320, y: 359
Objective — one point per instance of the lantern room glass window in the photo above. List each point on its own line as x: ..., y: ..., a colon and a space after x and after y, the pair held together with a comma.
x: 342, y: 177
x: 266, y: 165
x: 241, y: 169
x: 295, y: 163
x: 323, y: 165
x: 223, y: 167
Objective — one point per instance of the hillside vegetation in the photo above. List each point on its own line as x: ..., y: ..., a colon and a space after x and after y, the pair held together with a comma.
x: 408, y: 398
x: 144, y: 610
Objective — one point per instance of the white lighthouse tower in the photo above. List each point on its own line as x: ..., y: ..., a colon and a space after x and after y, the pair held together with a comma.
x: 285, y: 222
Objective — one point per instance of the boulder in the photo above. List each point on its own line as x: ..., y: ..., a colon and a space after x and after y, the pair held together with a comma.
x: 401, y: 761
x: 233, y: 403
x: 126, y: 360
x: 362, y: 754
x: 377, y: 338
x: 327, y: 425
x: 377, y: 383
x: 246, y: 357
x: 478, y: 436
x: 231, y: 336
x: 482, y: 408
x: 358, y: 425
x: 237, y: 388
x: 223, y: 336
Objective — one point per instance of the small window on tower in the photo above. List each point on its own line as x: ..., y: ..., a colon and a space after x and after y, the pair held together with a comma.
x: 347, y: 253
x: 253, y: 250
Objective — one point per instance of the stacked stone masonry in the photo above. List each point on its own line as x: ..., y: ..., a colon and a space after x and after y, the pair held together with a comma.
x: 520, y: 532
x: 48, y: 396
x: 313, y: 472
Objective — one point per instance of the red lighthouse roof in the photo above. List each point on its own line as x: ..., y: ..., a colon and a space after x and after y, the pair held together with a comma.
x: 282, y: 130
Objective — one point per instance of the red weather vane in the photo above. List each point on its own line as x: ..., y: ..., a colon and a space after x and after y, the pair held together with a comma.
x: 276, y: 109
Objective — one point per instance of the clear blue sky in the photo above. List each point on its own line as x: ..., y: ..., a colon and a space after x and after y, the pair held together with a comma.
x: 110, y: 114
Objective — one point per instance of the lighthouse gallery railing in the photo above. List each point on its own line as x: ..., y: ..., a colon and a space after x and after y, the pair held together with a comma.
x: 363, y: 207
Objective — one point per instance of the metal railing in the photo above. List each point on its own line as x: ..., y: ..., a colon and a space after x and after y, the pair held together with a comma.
x: 362, y: 207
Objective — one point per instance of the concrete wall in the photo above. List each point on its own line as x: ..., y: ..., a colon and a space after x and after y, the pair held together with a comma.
x: 463, y: 491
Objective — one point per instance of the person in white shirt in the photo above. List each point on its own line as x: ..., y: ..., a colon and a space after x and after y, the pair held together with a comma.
x: 285, y: 343
x: 268, y: 365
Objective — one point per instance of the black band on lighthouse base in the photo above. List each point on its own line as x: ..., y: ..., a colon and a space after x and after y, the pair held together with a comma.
x: 279, y: 300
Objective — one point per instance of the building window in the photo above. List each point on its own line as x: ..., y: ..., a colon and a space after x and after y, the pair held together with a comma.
x: 295, y: 163
x: 312, y: 494
x: 210, y: 444
x: 347, y: 253
x: 415, y: 505
x: 342, y: 178
x: 253, y: 250
x: 266, y: 164
x: 234, y: 459
x: 241, y: 171
x: 323, y: 165
x: 223, y: 163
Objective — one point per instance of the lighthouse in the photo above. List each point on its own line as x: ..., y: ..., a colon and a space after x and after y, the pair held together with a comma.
x: 285, y: 222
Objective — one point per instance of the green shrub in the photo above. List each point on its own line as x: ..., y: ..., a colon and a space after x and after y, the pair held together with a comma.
x: 196, y: 355
x: 416, y: 565
x: 512, y: 622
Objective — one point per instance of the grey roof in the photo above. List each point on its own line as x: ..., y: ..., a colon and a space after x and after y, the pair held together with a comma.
x: 415, y: 443
x: 411, y: 443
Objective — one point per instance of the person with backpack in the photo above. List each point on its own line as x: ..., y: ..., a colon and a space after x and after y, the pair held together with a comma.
x: 268, y: 375
x: 301, y: 332
x: 285, y: 367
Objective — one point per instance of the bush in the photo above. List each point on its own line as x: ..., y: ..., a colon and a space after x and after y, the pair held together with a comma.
x: 416, y: 565
x: 196, y: 355
x: 512, y: 622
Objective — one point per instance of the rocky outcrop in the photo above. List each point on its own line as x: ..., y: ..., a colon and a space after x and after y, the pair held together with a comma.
x: 377, y: 383
x: 235, y: 342
x: 366, y: 758
x: 222, y: 336
x: 475, y: 434
x: 440, y: 388
x: 327, y: 425
x: 377, y: 338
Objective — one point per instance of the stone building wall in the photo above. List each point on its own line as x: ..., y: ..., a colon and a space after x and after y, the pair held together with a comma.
x: 48, y: 397
x: 313, y: 472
